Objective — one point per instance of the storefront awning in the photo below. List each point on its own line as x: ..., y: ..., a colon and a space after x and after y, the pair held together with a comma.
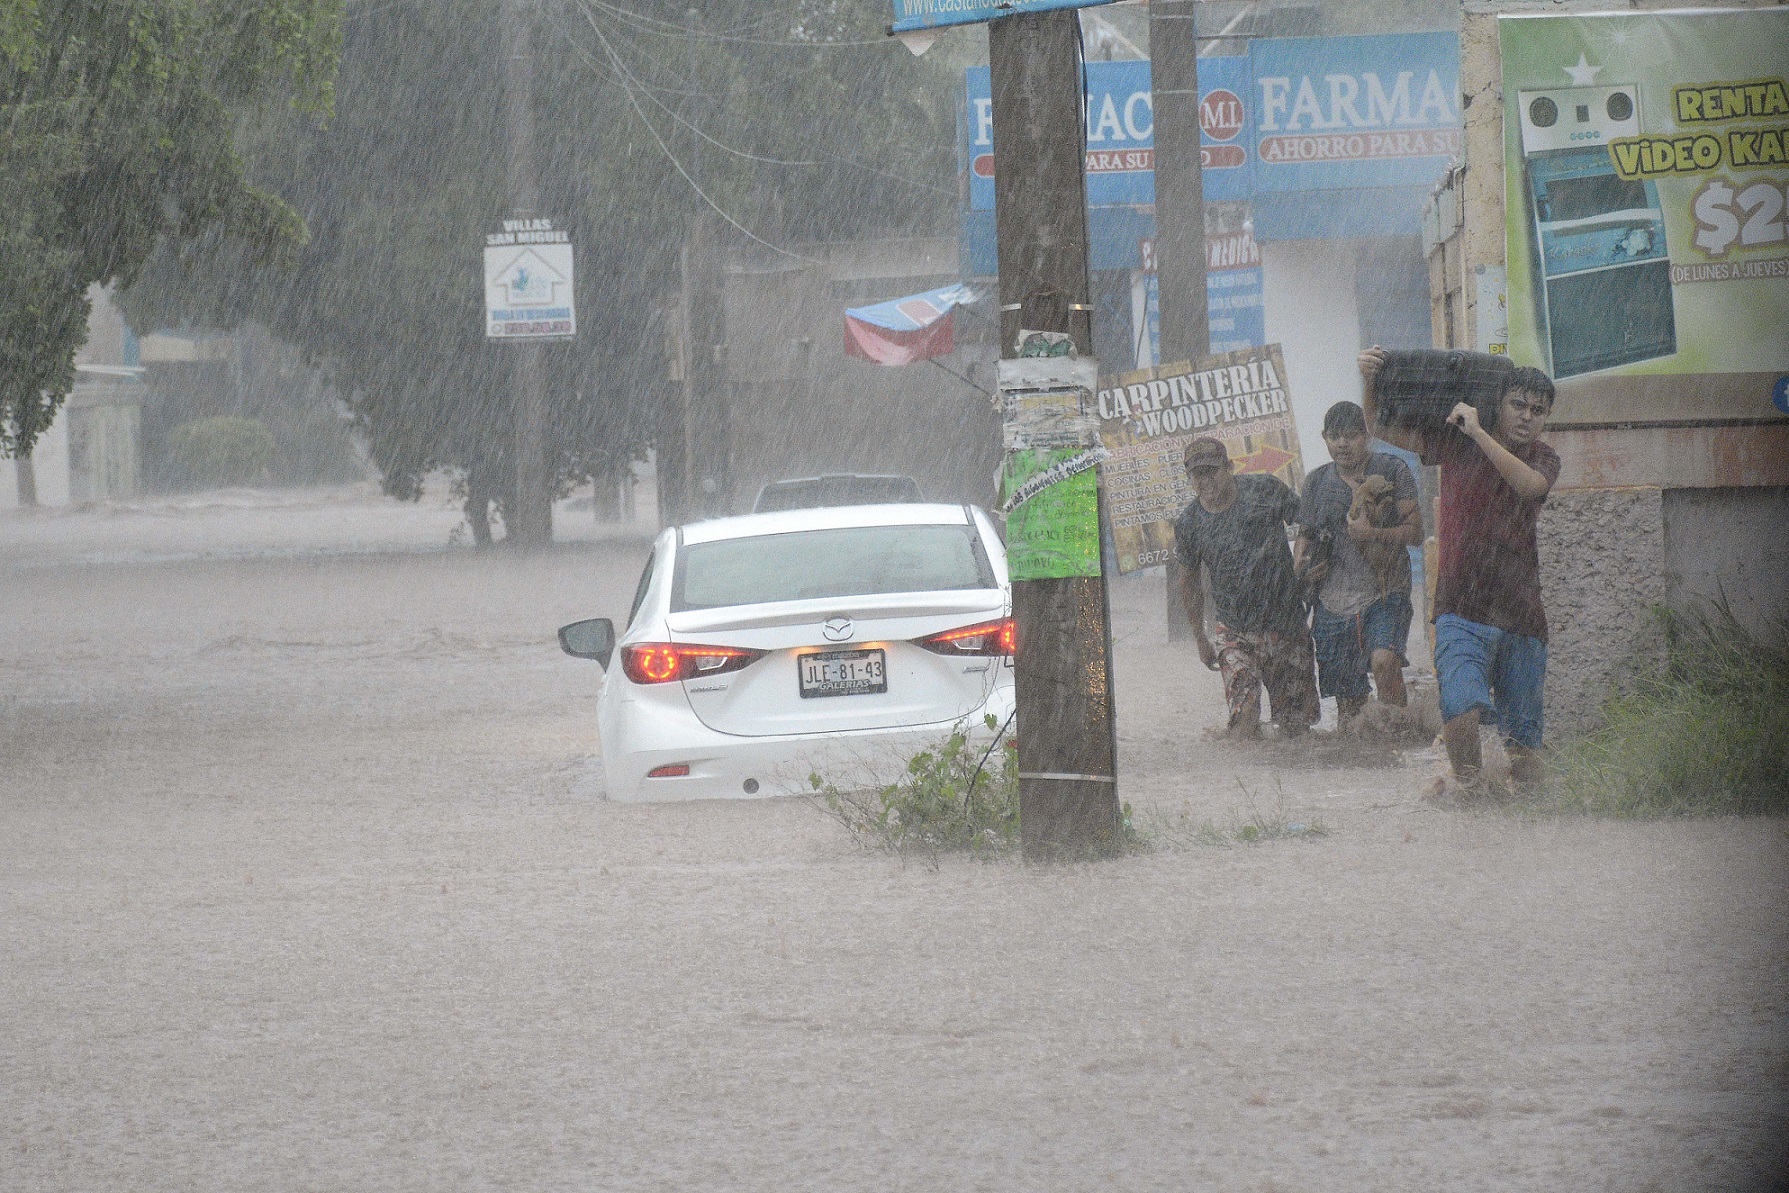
x: 904, y: 330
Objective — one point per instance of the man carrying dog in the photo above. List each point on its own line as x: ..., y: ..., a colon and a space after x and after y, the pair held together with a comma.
x: 1236, y: 526
x: 1359, y: 561
x: 1490, y: 626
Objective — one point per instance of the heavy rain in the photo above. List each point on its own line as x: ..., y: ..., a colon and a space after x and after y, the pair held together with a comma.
x: 597, y: 600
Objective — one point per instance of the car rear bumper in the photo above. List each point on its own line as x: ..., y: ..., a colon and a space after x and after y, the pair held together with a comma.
x: 724, y: 766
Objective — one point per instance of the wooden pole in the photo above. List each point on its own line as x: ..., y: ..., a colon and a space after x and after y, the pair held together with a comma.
x: 1179, y: 209
x: 1068, y: 796
x: 530, y: 523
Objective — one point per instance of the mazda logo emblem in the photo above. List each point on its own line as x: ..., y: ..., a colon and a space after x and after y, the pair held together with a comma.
x: 838, y: 629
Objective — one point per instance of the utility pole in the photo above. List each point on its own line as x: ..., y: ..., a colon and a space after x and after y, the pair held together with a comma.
x: 702, y: 445
x: 530, y: 517
x: 1179, y: 209
x: 1068, y: 795
x: 670, y: 424
x: 692, y: 436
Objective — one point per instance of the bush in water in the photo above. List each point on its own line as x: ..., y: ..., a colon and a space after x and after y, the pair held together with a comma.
x: 228, y: 450
x: 960, y: 794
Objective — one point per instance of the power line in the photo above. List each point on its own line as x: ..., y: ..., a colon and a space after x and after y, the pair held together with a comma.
x: 690, y: 92
x: 672, y: 157
x: 827, y: 156
x: 666, y: 28
x: 673, y: 114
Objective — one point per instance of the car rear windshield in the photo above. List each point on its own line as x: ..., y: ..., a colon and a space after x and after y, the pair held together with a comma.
x: 808, y: 564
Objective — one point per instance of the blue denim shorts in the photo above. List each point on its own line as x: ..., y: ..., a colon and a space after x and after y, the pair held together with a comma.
x: 1345, y: 645
x: 1499, y: 673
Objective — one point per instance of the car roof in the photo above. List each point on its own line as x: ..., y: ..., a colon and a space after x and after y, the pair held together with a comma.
x: 791, y: 482
x: 831, y: 517
x: 836, y: 488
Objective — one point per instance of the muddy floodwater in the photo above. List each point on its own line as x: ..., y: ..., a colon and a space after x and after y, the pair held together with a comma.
x: 307, y: 883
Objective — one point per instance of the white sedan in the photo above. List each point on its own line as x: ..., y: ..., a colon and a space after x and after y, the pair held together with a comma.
x: 765, y: 647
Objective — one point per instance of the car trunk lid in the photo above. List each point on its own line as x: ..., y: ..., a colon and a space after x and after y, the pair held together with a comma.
x: 920, y: 686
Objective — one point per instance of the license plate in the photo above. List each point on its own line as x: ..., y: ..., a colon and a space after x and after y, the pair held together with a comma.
x: 843, y: 673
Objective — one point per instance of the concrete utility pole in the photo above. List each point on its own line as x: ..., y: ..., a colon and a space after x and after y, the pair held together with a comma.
x: 530, y: 516
x: 1179, y: 207
x: 693, y: 438
x: 1068, y: 795
x: 707, y: 439
x: 695, y: 433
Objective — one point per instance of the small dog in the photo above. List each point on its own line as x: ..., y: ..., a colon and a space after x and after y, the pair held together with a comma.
x: 1373, y: 496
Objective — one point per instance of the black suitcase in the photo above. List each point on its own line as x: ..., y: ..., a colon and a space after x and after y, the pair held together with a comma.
x: 1419, y: 387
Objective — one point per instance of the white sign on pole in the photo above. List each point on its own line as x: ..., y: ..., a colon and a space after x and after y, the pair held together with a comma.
x: 528, y: 282
x: 1493, y: 310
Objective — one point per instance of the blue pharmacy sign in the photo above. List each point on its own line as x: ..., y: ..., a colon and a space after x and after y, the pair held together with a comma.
x: 910, y: 15
x: 1121, y: 132
x: 1335, y: 113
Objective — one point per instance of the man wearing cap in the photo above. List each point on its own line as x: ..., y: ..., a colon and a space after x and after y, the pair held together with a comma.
x: 1236, y: 527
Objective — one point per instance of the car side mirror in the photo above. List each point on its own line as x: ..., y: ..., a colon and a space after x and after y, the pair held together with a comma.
x: 590, y: 639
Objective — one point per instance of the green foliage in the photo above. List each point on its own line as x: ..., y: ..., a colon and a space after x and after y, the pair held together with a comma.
x: 771, y: 107
x: 228, y: 450
x: 117, y: 126
x: 959, y: 795
x: 18, y: 33
x: 1703, y: 733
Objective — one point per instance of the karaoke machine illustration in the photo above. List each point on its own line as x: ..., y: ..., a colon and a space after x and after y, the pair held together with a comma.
x: 1602, y: 275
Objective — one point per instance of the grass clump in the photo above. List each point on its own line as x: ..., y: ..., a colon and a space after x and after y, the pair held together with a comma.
x: 1705, y: 732
x: 958, y: 795
x: 1249, y: 825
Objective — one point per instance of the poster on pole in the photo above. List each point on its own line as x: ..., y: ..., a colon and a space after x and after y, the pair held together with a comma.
x: 1646, y: 174
x: 1147, y: 417
x: 1049, y: 486
x: 529, y: 282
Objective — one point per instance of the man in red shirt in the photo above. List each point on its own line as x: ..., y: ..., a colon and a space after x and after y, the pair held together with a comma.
x: 1490, y: 626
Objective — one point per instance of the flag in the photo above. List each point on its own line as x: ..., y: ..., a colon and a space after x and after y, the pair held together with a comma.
x: 903, y: 330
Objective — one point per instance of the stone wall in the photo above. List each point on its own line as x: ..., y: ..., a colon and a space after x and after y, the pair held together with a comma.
x: 1730, y: 544
x: 1602, y: 555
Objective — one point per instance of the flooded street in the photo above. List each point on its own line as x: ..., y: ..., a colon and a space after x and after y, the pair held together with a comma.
x: 308, y: 883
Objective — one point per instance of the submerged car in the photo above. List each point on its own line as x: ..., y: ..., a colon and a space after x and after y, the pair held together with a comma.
x: 766, y: 647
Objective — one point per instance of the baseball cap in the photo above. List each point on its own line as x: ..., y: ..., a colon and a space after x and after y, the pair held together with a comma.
x: 1206, y: 453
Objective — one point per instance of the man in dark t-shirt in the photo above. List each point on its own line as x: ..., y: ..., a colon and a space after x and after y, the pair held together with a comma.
x: 1490, y: 627
x: 1236, y: 527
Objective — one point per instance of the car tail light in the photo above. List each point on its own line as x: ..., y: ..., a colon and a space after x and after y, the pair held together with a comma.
x: 987, y: 638
x: 675, y: 770
x: 662, y: 662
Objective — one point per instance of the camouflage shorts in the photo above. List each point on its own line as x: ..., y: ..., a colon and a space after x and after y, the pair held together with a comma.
x: 1281, y: 662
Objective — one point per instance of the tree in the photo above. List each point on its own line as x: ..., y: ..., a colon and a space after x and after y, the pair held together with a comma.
x: 116, y: 123
x: 642, y: 119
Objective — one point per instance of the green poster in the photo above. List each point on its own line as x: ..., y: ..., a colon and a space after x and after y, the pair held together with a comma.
x: 1050, y: 485
x: 1646, y: 179
x: 1053, y: 529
